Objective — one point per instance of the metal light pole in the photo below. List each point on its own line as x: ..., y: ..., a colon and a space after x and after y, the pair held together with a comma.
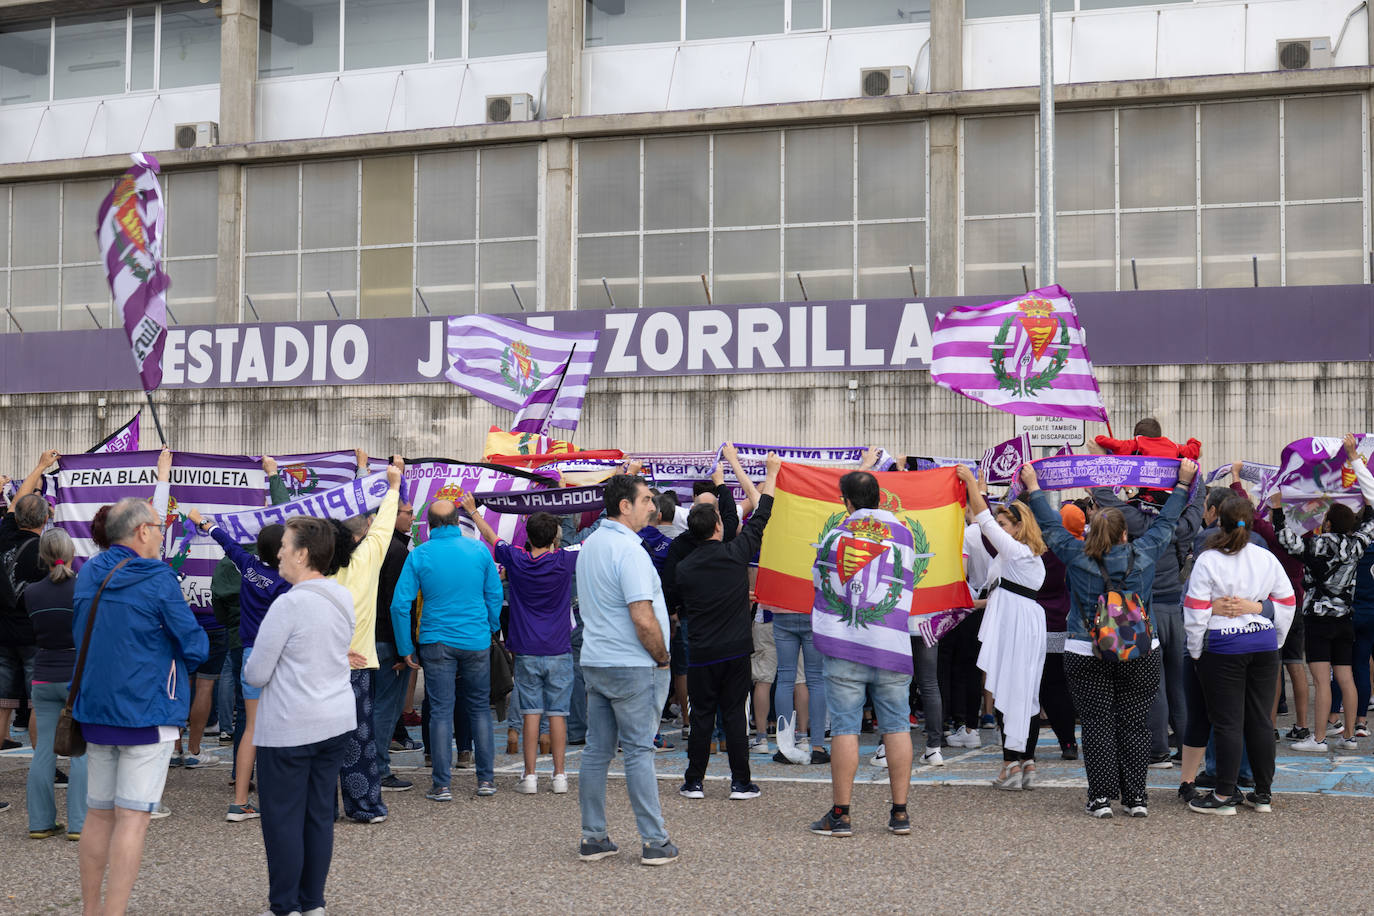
x: 1049, y: 249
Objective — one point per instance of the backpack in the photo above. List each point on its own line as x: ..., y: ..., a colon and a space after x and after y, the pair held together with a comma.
x: 1120, y: 626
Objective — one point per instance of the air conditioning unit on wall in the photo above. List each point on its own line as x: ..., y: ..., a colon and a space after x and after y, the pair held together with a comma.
x: 517, y: 107
x: 1304, y: 53
x: 880, y: 81
x: 191, y: 136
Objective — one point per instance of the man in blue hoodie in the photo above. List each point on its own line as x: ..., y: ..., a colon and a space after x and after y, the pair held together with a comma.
x: 134, y: 693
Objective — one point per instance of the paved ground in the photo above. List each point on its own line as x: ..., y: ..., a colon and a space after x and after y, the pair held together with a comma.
x: 974, y: 848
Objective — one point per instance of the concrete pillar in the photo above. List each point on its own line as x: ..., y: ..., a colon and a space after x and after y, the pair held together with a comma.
x: 230, y: 209
x: 559, y: 201
x: 944, y: 206
x: 946, y: 45
x: 238, y: 70
x: 563, y: 90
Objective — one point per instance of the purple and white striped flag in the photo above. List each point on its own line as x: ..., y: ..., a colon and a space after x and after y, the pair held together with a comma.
x: 557, y: 401
x: 1027, y: 356
x: 504, y: 362
x: 304, y: 474
x: 129, y: 228
x: 124, y: 439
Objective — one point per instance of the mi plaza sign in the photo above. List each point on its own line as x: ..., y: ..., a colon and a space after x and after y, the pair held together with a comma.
x: 1277, y: 324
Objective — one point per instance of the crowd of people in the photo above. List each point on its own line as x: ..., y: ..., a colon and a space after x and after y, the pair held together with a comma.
x: 1157, y: 624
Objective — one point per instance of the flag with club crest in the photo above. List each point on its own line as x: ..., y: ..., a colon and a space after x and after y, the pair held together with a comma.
x: 557, y: 400
x: 129, y: 228
x: 1003, y: 461
x: 124, y: 439
x: 505, y: 363
x: 1027, y: 356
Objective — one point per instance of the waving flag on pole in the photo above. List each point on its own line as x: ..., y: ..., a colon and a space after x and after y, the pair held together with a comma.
x: 1027, y: 356
x: 124, y: 439
x: 557, y: 401
x: 505, y: 362
x: 130, y: 227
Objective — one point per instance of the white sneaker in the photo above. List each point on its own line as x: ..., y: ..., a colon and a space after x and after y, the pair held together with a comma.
x: 161, y: 811
x: 965, y: 737
x: 1342, y: 743
x: 1334, y: 728
x: 758, y: 744
x: 560, y: 783
x: 1310, y: 743
x: 880, y: 758
x: 933, y: 758
x: 528, y: 785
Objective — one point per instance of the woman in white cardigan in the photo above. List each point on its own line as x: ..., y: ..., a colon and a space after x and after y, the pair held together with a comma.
x: 1013, y: 630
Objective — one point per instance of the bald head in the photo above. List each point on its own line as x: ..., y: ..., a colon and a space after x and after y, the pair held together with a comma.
x: 442, y: 512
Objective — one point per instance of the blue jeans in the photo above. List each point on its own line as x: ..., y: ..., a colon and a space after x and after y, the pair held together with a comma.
x: 1209, y: 759
x: 1169, y: 706
x: 848, y: 684
x: 792, y: 634
x: 389, y: 693
x: 623, y: 704
x: 224, y: 697
x: 577, y: 711
x: 443, y: 665
x: 42, y: 803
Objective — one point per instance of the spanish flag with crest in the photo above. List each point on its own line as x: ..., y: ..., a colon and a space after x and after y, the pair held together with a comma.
x: 807, y: 507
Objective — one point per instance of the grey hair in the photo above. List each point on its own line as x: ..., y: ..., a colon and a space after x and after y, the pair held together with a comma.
x: 55, y: 552
x: 31, y: 511
x: 358, y: 526
x: 125, y: 517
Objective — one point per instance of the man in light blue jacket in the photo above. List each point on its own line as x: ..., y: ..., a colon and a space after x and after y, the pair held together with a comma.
x: 460, y: 591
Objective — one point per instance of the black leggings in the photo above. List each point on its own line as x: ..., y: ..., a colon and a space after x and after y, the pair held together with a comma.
x: 1240, y: 692
x: 1032, y: 737
x: 1056, y: 700
x: 961, y: 681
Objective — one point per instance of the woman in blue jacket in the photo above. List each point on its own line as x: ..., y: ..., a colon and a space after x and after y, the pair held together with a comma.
x: 1112, y: 697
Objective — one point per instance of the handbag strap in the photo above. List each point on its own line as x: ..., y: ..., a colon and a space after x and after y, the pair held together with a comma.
x: 86, y: 641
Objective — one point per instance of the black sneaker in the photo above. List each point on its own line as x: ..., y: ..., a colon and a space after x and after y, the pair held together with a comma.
x: 830, y: 825
x: 820, y: 755
x: 1211, y: 804
x: 1206, y: 781
x: 1164, y: 761
x: 1260, y: 801
x: 779, y: 758
x: 899, y: 822
x: 1068, y: 751
x: 592, y: 850
x: 742, y: 791
x: 1298, y: 734
x: 1187, y: 791
x: 692, y: 790
x: 1099, y: 808
x: 393, y: 783
x: 660, y: 854
x: 59, y: 778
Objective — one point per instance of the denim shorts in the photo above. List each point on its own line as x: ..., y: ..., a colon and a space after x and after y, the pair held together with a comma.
x: 846, y: 685
x: 543, y: 684
x: 249, y: 691
x: 130, y: 776
x: 16, y: 674
x: 219, y: 647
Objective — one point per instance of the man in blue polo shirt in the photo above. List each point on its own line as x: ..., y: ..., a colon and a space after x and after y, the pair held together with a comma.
x: 462, y: 609
x: 625, y: 666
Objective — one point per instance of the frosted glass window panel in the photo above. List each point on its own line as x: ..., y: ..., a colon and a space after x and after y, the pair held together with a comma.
x: 999, y: 165
x: 192, y: 293
x: 1231, y: 237
x: 498, y: 27
x: 1085, y: 176
x: 675, y: 182
x: 445, y: 274
x: 673, y: 265
x: 509, y: 184
x: 980, y: 9
x: 824, y: 255
x: 1240, y: 152
x: 448, y: 29
x: 448, y: 196
x: 330, y: 273
x: 385, y: 33
x: 1324, y: 245
x: 35, y: 210
x: 4, y: 230
x: 730, y: 18
x: 192, y: 213
x: 33, y: 299
x: 271, y: 283
x: 1164, y: 246
x: 892, y: 171
x: 994, y: 252
x: 846, y: 14
x: 887, y: 256
x: 272, y: 208
x: 298, y: 36
x: 608, y: 186
x: 1322, y: 157
x: 746, y: 266
x: 499, y: 264
x: 807, y: 14
x: 746, y: 178
x: 1158, y: 157
x: 141, y: 63
x: 1087, y: 253
x: 88, y: 55
x: 190, y: 45
x: 386, y: 283
x: 329, y: 203
x: 80, y: 201
x: 24, y: 62
x: 614, y: 259
x: 820, y: 175
x: 1112, y: 4
x: 632, y: 22
x: 83, y: 286
x: 388, y: 216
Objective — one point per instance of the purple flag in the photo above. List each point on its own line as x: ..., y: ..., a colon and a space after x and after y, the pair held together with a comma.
x: 1313, y: 473
x: 129, y: 228
x: 1027, y: 356
x: 503, y: 362
x: 1068, y: 472
x: 1003, y: 461
x: 124, y: 439
x: 304, y: 474
x: 557, y: 401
